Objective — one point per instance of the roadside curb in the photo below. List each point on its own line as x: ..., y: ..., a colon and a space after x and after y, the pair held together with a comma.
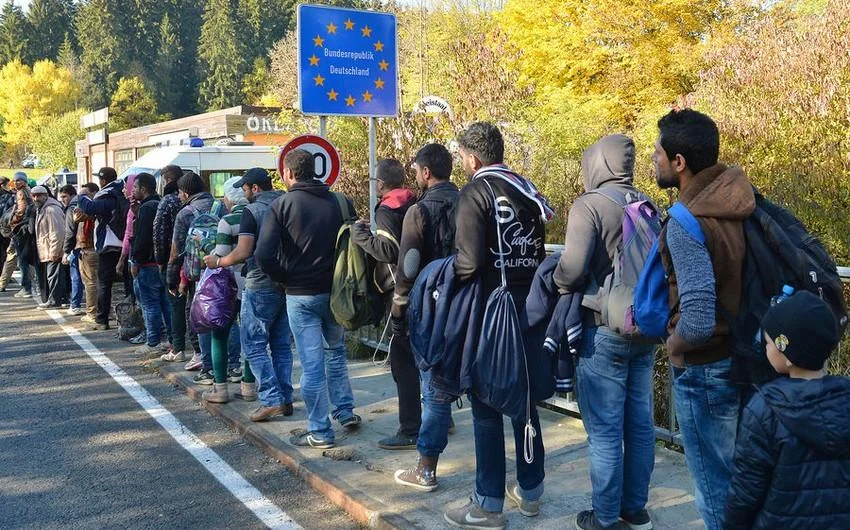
x: 359, y: 506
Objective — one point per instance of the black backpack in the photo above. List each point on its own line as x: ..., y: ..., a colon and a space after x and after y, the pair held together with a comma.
x: 780, y: 251
x: 438, y: 219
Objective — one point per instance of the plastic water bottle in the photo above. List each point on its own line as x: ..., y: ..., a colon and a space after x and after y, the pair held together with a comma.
x: 787, y: 291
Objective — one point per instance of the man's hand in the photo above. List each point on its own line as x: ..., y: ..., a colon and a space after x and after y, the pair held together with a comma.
x: 122, y: 261
x: 64, y: 260
x: 134, y: 270
x: 211, y: 261
x: 676, y: 348
x: 56, y: 259
x: 183, y: 288
x: 398, y: 326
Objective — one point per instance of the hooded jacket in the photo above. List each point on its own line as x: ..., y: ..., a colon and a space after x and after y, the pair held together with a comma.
x: 198, y: 203
x: 71, y: 226
x: 383, y: 245
x: 595, y: 223
x: 107, y: 207
x: 720, y: 198
x: 792, y: 458
x: 50, y: 230
x: 141, y: 250
x: 298, y: 238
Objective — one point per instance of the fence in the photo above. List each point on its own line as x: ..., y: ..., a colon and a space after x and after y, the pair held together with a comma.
x: 565, y: 402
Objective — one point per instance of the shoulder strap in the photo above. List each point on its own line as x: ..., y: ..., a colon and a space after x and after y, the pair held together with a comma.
x: 344, y: 209
x: 680, y: 213
x: 498, y: 233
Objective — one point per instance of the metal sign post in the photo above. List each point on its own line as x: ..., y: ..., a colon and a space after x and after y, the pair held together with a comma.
x: 348, y: 66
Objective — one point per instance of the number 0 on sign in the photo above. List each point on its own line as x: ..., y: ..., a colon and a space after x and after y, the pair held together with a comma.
x: 324, y: 154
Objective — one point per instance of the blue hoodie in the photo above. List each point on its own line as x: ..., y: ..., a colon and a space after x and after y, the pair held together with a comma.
x: 792, y: 458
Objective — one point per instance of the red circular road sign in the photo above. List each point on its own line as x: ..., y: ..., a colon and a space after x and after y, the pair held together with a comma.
x: 324, y: 154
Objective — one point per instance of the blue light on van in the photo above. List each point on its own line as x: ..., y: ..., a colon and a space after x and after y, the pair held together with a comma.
x: 196, y: 142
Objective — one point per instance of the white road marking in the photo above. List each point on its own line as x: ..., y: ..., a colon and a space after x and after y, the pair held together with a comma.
x: 265, y: 510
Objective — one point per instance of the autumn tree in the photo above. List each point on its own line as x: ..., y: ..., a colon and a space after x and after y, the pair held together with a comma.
x: 132, y: 105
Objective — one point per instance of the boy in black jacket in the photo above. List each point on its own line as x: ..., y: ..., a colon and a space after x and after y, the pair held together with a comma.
x: 792, y: 459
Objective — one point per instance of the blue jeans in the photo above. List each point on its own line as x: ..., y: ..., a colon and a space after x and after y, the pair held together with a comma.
x: 707, y: 411
x: 265, y: 327
x: 76, y: 280
x: 321, y: 348
x: 615, y: 399
x: 436, y: 417
x: 151, y: 292
x: 490, y: 457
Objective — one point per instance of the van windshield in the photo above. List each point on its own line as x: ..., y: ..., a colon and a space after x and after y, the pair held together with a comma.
x: 135, y: 170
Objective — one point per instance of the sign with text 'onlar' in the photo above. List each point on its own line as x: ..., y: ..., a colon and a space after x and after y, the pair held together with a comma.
x: 347, y: 62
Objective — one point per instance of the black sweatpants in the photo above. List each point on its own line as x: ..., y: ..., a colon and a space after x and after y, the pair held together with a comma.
x: 406, y: 377
x: 106, y: 263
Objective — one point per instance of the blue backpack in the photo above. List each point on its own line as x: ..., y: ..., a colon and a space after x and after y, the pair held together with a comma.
x: 428, y: 310
x: 651, y: 298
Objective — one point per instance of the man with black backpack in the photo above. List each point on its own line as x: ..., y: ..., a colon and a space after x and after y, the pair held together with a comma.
x: 427, y: 234
x: 109, y: 207
x: 383, y: 246
x: 22, y: 223
x: 296, y: 246
x: 705, y: 293
x: 500, y: 242
x: 614, y: 371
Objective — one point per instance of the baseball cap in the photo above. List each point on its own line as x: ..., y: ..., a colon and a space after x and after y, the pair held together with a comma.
x: 803, y: 328
x: 255, y: 175
x: 20, y: 175
x: 106, y: 173
x: 39, y: 189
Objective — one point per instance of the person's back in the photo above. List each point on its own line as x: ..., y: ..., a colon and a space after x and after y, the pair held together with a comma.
x: 792, y: 459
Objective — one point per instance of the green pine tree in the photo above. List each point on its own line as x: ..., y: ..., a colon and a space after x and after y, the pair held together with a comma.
x: 265, y: 22
x: 14, y: 35
x: 169, y: 86
x: 221, y: 59
x: 67, y: 57
x: 185, y: 16
x: 104, y: 55
x: 50, y: 20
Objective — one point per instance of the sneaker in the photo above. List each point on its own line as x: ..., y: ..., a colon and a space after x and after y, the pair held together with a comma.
x: 423, y: 477
x: 23, y: 294
x: 141, y: 338
x: 76, y: 311
x: 637, y: 521
x: 472, y: 516
x: 527, y: 508
x: 309, y: 439
x: 398, y: 442
x: 149, y: 352
x: 87, y: 319
x: 173, y: 356
x: 194, y: 364
x: 97, y: 326
x: 234, y: 375
x: 587, y: 520
x: 47, y: 305
x: 351, y: 422
x: 2, y: 287
x: 204, y: 377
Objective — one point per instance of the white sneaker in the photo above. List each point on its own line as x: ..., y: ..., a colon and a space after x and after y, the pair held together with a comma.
x: 76, y: 311
x: 194, y: 364
x: 173, y: 357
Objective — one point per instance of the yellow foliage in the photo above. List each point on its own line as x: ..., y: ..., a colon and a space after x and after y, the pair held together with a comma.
x: 29, y: 94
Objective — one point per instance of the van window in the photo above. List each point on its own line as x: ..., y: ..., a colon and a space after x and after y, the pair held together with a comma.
x: 216, y: 179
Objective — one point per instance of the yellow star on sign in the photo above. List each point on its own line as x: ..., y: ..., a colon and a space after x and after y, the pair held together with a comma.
x: 367, y: 97
x: 379, y: 46
x: 331, y: 28
x: 349, y: 24
x: 384, y: 64
x: 366, y: 31
x: 349, y: 101
x: 319, y: 41
x: 379, y: 83
x: 314, y: 61
x: 332, y: 95
x: 320, y: 81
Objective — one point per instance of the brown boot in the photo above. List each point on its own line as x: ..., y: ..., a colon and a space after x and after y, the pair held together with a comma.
x: 263, y: 413
x: 218, y: 394
x: 247, y: 391
x: 423, y: 477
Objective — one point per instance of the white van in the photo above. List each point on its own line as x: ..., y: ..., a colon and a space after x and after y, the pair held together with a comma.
x: 215, y: 164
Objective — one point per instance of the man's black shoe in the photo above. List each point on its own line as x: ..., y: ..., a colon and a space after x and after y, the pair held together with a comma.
x: 637, y: 521
x: 587, y: 520
x: 398, y: 442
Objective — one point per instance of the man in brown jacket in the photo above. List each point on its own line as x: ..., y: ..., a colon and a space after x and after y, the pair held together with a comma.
x: 50, y: 237
x: 81, y: 239
x: 705, y: 289
x: 23, y: 233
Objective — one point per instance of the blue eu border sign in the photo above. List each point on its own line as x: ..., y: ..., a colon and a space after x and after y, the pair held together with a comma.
x: 347, y: 62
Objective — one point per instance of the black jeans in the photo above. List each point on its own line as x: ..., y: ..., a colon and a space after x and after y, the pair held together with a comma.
x: 406, y: 377
x: 106, y: 263
x: 51, y: 283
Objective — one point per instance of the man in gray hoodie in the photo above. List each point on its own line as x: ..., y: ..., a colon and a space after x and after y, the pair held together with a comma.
x: 614, y: 372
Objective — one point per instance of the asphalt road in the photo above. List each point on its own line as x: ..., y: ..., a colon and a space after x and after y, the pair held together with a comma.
x: 76, y: 451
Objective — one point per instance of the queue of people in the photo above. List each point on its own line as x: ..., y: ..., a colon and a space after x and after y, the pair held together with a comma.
x: 767, y: 457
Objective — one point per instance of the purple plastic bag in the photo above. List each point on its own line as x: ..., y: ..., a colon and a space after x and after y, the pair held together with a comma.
x: 214, y: 305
